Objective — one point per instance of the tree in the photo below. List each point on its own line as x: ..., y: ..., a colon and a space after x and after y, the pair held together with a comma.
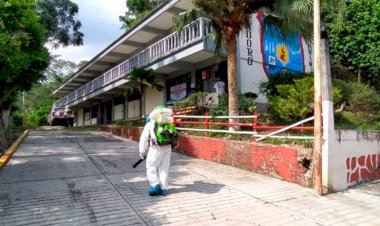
x: 228, y: 19
x: 142, y: 78
x: 23, y: 56
x: 60, y: 70
x: 137, y: 9
x: 39, y: 100
x: 356, y: 44
x: 58, y: 18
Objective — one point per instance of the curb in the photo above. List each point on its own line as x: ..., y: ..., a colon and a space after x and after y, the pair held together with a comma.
x: 12, y: 149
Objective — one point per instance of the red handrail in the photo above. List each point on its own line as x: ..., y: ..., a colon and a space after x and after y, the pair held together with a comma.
x: 254, y: 124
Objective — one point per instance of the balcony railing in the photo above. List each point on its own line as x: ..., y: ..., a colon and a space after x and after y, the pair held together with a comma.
x: 191, y: 33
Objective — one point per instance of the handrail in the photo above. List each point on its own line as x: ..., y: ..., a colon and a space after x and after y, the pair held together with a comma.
x: 286, y: 128
x: 206, y: 123
x: 244, y: 132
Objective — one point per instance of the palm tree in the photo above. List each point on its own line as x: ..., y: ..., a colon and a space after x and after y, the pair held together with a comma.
x: 142, y: 78
x: 291, y: 16
x: 228, y: 18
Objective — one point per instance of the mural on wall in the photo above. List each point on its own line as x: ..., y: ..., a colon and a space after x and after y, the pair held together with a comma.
x: 279, y: 55
x: 363, y: 168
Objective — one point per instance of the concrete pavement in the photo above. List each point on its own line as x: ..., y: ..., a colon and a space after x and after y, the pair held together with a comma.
x: 86, y: 178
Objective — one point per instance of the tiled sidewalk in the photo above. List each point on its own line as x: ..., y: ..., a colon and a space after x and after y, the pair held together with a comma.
x: 86, y: 178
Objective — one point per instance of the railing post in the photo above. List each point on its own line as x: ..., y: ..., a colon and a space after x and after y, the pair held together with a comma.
x: 254, y: 124
x: 174, y: 120
x: 201, y: 27
x: 206, y: 123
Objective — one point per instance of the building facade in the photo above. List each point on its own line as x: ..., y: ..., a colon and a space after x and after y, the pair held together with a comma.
x: 182, y: 62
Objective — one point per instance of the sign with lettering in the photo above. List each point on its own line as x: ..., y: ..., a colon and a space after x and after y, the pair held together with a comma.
x: 280, y: 54
x: 178, y: 92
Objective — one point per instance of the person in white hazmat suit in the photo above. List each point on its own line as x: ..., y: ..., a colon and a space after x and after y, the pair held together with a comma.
x: 158, y: 156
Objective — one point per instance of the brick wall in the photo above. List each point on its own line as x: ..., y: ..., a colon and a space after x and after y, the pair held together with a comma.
x: 280, y: 161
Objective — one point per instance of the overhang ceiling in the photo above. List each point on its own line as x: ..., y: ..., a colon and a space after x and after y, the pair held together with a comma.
x: 144, y: 34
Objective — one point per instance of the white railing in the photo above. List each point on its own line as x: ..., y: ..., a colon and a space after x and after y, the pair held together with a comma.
x: 190, y: 33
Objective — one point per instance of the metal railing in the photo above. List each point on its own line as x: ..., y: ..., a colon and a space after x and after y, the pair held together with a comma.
x: 190, y: 33
x: 253, y: 125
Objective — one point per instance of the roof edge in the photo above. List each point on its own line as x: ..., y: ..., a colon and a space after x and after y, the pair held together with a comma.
x: 116, y: 42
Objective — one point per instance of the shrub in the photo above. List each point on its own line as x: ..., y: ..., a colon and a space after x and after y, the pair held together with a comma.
x: 269, y: 88
x: 363, y: 98
x: 295, y: 101
x: 221, y: 108
x: 199, y: 100
x: 38, y: 117
x: 247, y: 104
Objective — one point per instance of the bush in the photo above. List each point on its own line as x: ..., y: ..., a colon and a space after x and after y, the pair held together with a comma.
x: 199, y: 100
x: 269, y: 88
x: 363, y: 98
x: 362, y: 107
x: 247, y: 104
x: 294, y: 101
x: 38, y: 117
x: 221, y: 108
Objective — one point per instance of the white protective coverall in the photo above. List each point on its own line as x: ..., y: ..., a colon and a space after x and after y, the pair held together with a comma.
x: 158, y: 159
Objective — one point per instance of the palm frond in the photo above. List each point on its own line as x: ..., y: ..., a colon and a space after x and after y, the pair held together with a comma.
x: 180, y: 20
x: 143, y: 77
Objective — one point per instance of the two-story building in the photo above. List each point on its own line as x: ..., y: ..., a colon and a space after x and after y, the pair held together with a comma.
x: 183, y: 62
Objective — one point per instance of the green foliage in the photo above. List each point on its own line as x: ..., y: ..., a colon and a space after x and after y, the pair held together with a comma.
x: 352, y: 120
x: 38, y: 116
x: 362, y: 105
x: 179, y: 21
x: 24, y: 31
x: 23, y: 56
x: 291, y: 99
x: 142, y: 78
x: 363, y: 98
x: 268, y: 88
x: 60, y: 70
x: 293, y: 102
x: 222, y: 107
x: 23, y: 34
x: 247, y: 105
x: 136, y: 122
x: 58, y: 18
x: 290, y: 16
x: 199, y: 100
x: 356, y: 44
x: 39, y: 100
x: 137, y: 10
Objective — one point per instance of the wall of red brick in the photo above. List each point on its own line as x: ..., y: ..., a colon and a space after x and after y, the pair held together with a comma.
x: 280, y: 161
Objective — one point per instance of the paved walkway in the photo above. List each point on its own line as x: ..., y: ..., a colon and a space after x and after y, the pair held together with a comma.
x: 86, y: 178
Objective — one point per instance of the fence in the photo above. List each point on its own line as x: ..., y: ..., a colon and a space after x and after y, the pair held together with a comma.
x: 253, y: 125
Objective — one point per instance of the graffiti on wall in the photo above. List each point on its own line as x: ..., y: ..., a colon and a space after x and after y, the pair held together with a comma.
x: 363, y: 168
x: 278, y: 54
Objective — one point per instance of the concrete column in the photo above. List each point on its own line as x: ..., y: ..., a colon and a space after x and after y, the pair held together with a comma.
x: 333, y: 174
